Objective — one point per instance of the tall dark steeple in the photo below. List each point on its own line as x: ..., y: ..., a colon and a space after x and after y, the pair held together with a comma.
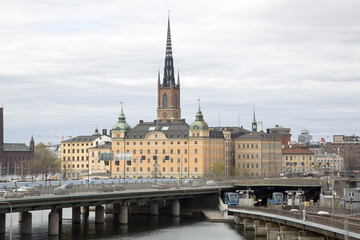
x: 168, y: 90
x: 254, y: 124
x: 169, y: 62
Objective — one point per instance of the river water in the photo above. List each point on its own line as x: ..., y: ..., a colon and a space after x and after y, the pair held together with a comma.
x: 161, y: 227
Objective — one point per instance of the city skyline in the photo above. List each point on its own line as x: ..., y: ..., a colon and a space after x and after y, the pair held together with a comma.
x: 66, y: 66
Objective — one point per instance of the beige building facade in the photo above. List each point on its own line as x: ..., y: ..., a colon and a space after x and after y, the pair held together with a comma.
x: 258, y: 154
x: 75, y: 155
x: 298, y: 159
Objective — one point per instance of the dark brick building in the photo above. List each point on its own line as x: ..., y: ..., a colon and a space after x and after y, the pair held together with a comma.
x: 15, y: 158
x: 347, y: 146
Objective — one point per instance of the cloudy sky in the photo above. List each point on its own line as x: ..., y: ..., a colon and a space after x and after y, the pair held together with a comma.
x: 66, y: 65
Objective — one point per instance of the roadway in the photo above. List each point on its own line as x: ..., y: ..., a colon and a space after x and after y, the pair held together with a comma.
x: 92, y: 197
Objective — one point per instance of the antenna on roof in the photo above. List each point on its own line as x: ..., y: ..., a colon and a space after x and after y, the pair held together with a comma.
x: 219, y: 121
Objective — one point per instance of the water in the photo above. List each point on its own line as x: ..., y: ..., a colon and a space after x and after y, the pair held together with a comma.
x: 140, y: 227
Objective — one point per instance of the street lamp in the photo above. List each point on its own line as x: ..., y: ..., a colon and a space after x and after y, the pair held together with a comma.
x: 88, y: 167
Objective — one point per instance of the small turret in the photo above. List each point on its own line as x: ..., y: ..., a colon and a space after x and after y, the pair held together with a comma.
x: 96, y: 133
x: 121, y: 125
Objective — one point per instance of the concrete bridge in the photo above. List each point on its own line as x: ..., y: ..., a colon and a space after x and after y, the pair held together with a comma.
x: 281, y: 224
x: 118, y: 201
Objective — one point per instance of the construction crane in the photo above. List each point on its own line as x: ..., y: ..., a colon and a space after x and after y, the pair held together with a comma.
x: 53, y: 136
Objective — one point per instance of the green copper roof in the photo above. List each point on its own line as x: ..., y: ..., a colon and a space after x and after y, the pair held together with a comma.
x: 121, y: 124
x: 96, y: 133
x: 199, y: 123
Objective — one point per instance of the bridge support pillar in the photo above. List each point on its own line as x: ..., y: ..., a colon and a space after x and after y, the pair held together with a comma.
x: 26, y: 223
x: 85, y: 209
x: 248, y: 223
x: 60, y: 212
x: 272, y: 230
x: 175, y: 208
x: 99, y: 214
x: 116, y: 208
x: 53, y: 223
x: 260, y: 228
x: 306, y: 235
x: 289, y: 233
x: 238, y: 219
x: 2, y: 223
x: 76, y: 215
x: 123, y: 218
x: 20, y: 217
x: 154, y: 208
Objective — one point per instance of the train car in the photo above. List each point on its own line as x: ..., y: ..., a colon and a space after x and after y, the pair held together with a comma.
x: 231, y: 198
x: 277, y: 198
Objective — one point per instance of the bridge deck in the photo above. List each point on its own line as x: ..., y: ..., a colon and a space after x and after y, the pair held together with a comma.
x: 320, y: 224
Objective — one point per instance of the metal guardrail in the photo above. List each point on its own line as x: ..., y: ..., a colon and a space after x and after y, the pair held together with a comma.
x: 344, y: 223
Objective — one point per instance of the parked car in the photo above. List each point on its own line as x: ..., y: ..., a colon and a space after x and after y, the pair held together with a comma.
x: 195, y: 184
x: 13, y: 194
x: 28, y: 191
x: 158, y: 185
x: 63, y: 189
x: 210, y: 183
x: 2, y: 192
x: 187, y: 181
x: 111, y: 188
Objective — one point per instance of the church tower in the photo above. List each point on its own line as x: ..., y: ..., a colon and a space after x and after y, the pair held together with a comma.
x: 168, y: 91
x: 254, y: 124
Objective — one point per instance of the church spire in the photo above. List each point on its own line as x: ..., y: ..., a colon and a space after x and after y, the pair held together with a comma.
x: 168, y: 90
x: 254, y: 124
x: 169, y: 66
x: 178, y: 80
x: 159, y: 77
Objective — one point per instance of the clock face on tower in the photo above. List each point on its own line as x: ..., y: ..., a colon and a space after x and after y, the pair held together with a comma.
x: 164, y: 114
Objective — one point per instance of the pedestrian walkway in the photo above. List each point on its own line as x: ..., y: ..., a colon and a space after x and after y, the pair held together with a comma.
x: 216, y: 216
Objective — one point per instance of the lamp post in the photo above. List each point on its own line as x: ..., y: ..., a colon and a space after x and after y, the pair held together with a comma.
x: 88, y: 167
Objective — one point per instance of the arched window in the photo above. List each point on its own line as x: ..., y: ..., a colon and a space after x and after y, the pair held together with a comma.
x: 175, y: 102
x: 165, y: 101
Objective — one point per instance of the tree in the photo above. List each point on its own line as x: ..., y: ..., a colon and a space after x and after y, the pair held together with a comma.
x: 219, y: 169
x: 45, y: 161
x: 234, y: 171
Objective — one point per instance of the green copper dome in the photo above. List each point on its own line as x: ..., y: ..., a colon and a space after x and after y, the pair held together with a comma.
x: 199, y: 123
x: 121, y: 125
x: 96, y: 133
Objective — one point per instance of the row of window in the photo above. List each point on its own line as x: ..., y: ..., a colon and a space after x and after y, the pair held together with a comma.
x: 248, y: 156
x: 140, y: 151
x: 83, y: 144
x: 75, y: 150
x: 296, y: 158
x: 215, y: 142
x: 163, y: 143
x: 248, y: 165
x: 296, y: 163
x: 76, y: 166
x: 149, y: 169
x: 248, y: 145
x: 77, y: 158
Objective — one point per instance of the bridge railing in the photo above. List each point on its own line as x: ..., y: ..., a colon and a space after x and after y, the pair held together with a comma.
x: 111, y: 187
x: 352, y: 224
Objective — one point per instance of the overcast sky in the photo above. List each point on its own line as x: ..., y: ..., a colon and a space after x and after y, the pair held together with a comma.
x: 65, y: 66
